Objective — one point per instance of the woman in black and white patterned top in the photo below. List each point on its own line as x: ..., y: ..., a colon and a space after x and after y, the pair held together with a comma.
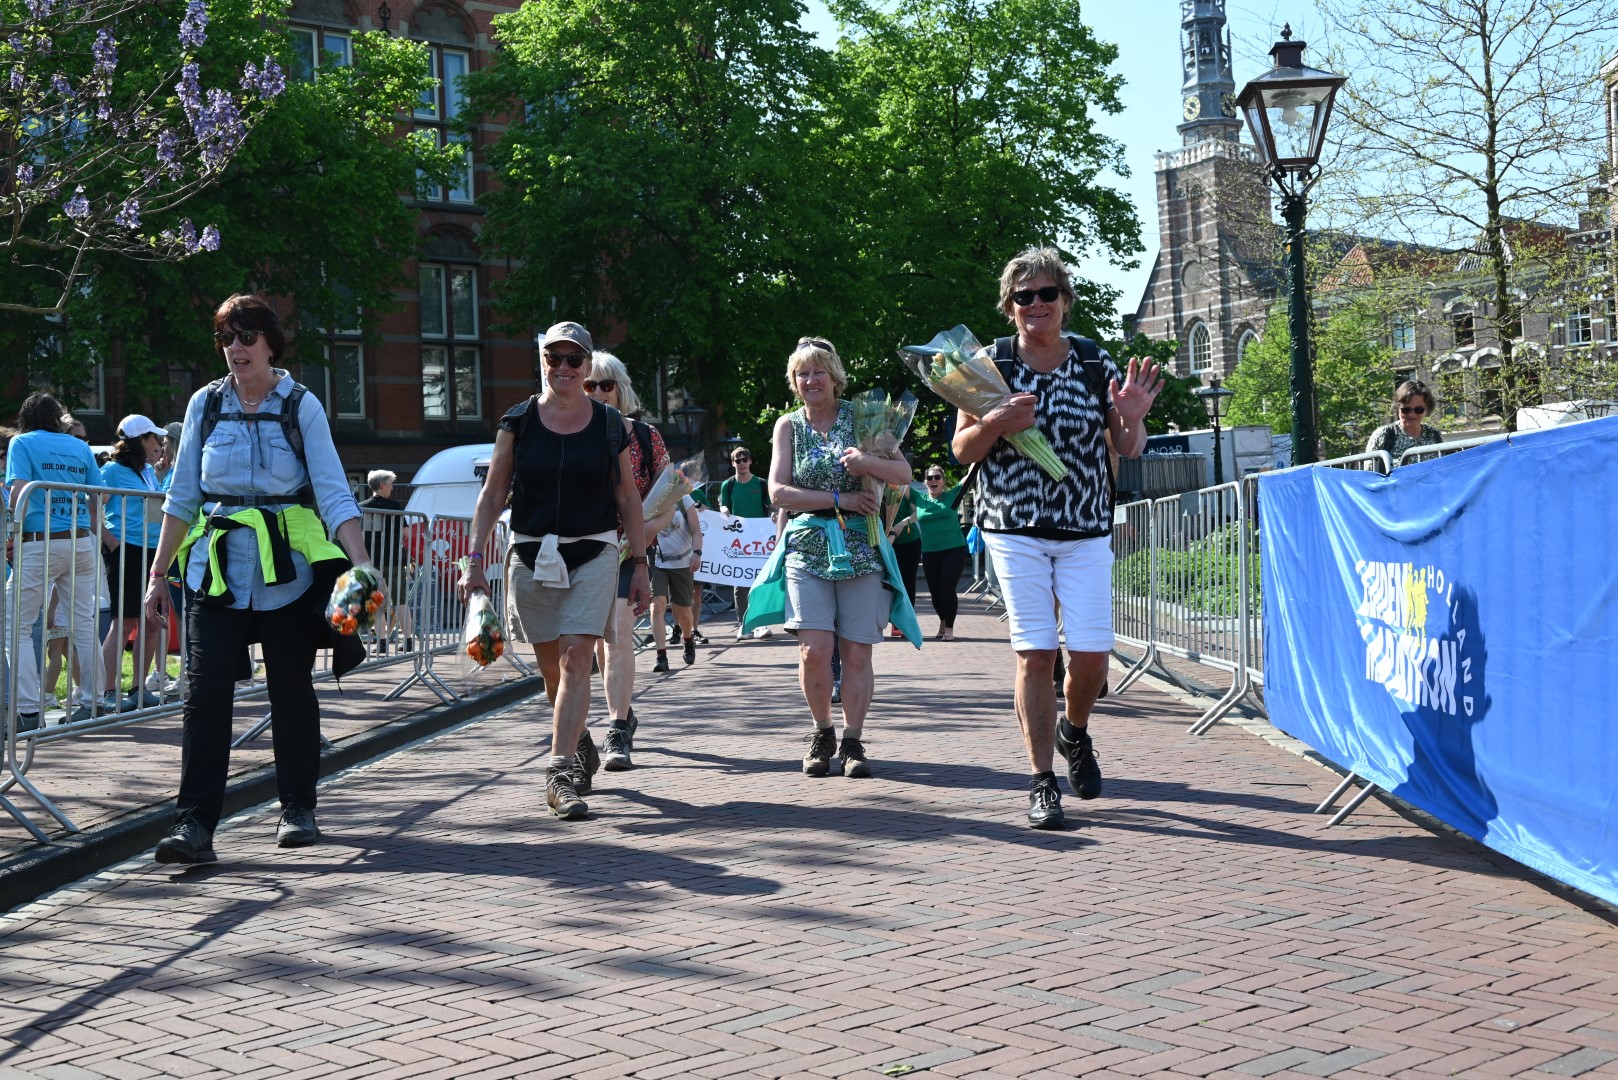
x: 1051, y: 540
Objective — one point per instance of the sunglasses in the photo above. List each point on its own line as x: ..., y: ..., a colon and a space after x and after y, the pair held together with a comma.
x: 573, y: 360
x: 1412, y: 410
x: 223, y: 338
x: 606, y: 386
x: 1047, y: 295
x: 930, y: 479
x: 818, y: 343
x: 741, y: 457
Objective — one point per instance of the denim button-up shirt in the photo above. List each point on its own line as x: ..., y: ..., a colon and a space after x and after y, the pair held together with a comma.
x: 244, y: 457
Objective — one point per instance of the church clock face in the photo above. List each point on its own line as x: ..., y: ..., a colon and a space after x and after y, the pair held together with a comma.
x: 1193, y: 108
x: 1227, y: 104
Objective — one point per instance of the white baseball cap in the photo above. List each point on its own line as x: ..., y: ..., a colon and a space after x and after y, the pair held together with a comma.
x: 135, y: 425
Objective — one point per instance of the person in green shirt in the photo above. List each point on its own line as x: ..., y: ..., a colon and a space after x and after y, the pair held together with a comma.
x: 943, y: 546
x: 744, y: 495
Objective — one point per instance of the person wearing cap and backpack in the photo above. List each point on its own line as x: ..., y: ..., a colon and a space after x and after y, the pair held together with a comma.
x: 1050, y: 540
x: 256, y: 486
x: 562, y: 460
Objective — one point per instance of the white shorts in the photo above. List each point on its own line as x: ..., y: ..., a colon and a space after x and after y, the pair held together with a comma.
x: 1037, y: 575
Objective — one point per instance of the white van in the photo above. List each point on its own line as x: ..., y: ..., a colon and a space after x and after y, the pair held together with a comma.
x: 449, y: 482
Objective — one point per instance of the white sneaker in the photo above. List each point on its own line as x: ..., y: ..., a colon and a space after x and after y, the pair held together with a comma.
x: 171, y: 689
x: 51, y: 704
x: 154, y: 683
x: 762, y: 632
x: 741, y: 635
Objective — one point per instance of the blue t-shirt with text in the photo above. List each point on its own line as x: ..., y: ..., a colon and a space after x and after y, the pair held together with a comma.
x: 56, y: 458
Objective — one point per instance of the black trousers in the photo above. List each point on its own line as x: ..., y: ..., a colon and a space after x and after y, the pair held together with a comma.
x: 218, y: 640
x: 908, y: 557
x: 943, y: 570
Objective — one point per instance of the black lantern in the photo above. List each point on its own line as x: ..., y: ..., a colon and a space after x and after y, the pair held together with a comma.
x: 1213, y: 399
x: 688, y: 421
x: 1287, y: 110
x: 385, y: 13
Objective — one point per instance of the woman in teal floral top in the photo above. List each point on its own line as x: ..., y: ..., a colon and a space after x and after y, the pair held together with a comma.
x: 834, y: 579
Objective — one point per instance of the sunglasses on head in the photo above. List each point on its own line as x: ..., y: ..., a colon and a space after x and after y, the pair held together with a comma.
x: 606, y: 386
x: 1047, y: 295
x: 818, y: 343
x: 223, y: 338
x: 1412, y: 410
x: 572, y: 359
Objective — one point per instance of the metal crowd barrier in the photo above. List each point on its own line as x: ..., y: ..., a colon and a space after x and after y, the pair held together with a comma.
x: 418, y: 558
x: 1443, y: 449
x: 1186, y: 585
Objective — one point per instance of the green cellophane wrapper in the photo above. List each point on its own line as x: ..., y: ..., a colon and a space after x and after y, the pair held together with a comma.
x: 959, y: 370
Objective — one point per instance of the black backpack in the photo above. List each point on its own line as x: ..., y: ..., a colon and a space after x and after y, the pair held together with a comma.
x: 213, y: 411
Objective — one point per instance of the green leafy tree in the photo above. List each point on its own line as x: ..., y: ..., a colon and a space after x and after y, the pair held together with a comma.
x: 309, y: 208
x: 1354, y: 379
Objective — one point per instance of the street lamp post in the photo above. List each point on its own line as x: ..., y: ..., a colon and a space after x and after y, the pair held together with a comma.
x: 1213, y: 399
x: 1287, y: 109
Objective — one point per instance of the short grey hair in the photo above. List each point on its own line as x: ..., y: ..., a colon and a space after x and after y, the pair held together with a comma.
x: 1032, y: 262
x: 604, y: 365
x: 378, y: 477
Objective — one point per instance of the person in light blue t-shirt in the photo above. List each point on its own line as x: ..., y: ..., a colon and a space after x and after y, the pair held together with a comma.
x: 133, y: 524
x: 58, y: 546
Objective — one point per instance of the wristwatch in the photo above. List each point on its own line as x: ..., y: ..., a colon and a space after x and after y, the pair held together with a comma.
x: 637, y: 560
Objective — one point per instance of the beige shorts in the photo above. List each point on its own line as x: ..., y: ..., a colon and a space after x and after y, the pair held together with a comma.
x: 856, y: 608
x: 539, y: 614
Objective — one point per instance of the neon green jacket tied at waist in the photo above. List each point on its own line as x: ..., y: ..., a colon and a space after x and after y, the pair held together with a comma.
x: 767, y: 600
x: 279, y: 534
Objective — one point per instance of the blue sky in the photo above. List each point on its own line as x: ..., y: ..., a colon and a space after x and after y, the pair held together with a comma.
x: 1148, y: 38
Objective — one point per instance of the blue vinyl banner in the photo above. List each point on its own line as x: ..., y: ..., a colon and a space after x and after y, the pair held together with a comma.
x: 1450, y: 633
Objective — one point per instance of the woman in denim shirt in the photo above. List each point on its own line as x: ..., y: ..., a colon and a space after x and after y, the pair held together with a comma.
x: 236, y: 489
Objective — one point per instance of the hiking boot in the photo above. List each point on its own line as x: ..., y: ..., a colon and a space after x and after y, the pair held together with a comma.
x: 1045, y: 803
x: 690, y: 653
x: 662, y: 661
x: 619, y: 742
x: 852, y: 753
x: 699, y: 637
x: 586, y: 763
x: 822, y: 746
x: 297, y: 827
x: 675, y: 634
x: 561, y: 796
x: 1083, y: 774
x: 189, y: 841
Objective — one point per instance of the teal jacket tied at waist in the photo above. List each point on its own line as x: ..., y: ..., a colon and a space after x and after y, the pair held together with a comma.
x: 767, y: 600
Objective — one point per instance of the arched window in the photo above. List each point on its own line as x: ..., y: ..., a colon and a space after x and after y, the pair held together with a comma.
x: 1201, y: 348
x: 1248, y: 339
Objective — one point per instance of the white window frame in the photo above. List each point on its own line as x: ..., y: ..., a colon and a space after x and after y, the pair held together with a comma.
x: 454, y: 344
x: 1201, y: 341
x: 1402, y: 336
x: 323, y: 43
x: 1580, y: 325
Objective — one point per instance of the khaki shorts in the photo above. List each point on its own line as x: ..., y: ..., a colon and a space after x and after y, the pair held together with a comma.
x: 856, y: 608
x: 673, y: 583
x: 538, y: 614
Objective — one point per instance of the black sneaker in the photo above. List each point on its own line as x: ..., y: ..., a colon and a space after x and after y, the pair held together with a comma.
x: 617, y: 745
x: 662, y: 661
x: 699, y: 637
x: 561, y: 796
x: 1045, y: 803
x: 586, y: 763
x: 674, y: 634
x: 822, y: 746
x: 297, y: 827
x: 189, y: 841
x: 27, y: 721
x: 852, y: 753
x: 1083, y: 774
x: 690, y: 653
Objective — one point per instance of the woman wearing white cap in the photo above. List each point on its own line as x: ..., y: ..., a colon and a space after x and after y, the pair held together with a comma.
x: 129, y: 533
x: 563, y: 459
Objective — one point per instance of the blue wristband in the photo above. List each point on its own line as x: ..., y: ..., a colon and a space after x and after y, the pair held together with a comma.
x: 835, y: 505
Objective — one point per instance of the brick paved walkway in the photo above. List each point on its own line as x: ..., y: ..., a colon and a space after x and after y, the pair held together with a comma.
x: 721, y: 915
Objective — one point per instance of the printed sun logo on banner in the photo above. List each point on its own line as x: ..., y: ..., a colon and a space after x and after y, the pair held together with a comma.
x: 1420, y: 665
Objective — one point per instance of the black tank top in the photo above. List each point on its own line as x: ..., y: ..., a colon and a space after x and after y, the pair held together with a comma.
x: 561, y: 484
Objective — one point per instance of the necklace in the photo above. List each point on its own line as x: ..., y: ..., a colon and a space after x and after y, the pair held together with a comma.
x: 241, y: 397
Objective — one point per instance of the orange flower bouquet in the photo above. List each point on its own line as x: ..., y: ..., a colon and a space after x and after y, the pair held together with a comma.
x: 481, y: 637
x: 355, y: 600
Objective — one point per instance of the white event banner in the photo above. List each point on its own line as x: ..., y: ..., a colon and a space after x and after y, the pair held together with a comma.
x: 734, y: 549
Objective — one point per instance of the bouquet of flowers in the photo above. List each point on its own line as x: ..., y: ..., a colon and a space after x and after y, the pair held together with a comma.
x: 674, y: 482
x: 892, y: 499
x: 880, y: 423
x: 355, y: 600
x: 481, y: 637
x: 956, y: 368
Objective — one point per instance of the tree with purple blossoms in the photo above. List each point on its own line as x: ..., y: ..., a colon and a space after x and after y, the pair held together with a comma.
x: 95, y: 150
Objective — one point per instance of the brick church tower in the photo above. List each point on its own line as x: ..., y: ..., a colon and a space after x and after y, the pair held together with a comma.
x: 1216, y: 261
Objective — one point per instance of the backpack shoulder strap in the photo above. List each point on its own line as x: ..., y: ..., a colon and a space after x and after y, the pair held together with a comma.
x: 616, y: 439
x: 212, y: 407
x: 1095, y: 372
x: 291, y: 425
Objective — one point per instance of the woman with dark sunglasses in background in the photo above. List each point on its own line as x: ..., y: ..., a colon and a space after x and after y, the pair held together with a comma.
x: 1413, y: 404
x: 943, y: 546
x: 563, y: 460
x: 609, y: 382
